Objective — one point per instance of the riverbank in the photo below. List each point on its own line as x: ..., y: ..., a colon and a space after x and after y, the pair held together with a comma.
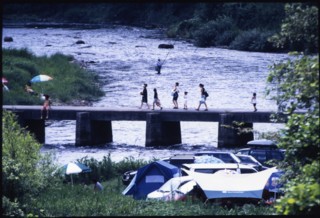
x: 71, y: 83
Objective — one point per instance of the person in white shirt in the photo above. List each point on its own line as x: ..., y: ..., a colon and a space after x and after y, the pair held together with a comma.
x: 254, y: 101
x: 185, y: 105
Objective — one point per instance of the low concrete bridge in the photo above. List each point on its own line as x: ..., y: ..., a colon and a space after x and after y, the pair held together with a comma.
x: 94, y: 124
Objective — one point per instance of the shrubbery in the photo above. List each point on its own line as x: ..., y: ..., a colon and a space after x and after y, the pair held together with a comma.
x: 296, y: 83
x: 184, y: 29
x: 216, y: 32
x: 253, y: 40
x: 25, y: 172
x: 106, y: 169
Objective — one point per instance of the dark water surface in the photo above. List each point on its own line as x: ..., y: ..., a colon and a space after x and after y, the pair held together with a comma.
x: 125, y: 58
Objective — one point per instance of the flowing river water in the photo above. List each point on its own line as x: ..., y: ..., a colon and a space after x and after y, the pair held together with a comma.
x: 125, y: 58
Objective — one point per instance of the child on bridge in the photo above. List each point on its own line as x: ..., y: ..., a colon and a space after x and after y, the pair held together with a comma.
x: 46, y: 107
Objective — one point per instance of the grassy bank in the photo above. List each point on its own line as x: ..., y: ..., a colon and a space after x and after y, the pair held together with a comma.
x: 70, y: 82
x: 63, y: 200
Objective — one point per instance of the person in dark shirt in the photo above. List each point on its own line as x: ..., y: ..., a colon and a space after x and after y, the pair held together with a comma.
x: 144, y: 94
x: 156, y: 100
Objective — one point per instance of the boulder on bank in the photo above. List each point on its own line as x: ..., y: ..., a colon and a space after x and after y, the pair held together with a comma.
x: 80, y: 42
x: 8, y: 39
x: 168, y: 46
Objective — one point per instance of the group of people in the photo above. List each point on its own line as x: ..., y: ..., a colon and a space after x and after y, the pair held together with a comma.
x: 46, y: 104
x: 156, y: 100
x: 175, y: 96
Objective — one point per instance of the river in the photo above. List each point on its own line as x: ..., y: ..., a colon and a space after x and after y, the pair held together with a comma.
x: 125, y: 58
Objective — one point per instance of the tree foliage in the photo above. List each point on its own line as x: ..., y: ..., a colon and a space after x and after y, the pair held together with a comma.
x: 297, y: 84
x: 185, y: 20
x: 25, y: 172
x: 299, y: 30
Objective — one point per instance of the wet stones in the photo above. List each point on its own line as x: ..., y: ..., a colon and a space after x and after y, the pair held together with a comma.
x: 8, y: 39
x: 80, y: 42
x: 166, y: 46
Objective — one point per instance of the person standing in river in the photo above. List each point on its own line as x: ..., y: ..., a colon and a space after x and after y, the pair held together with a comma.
x: 202, y: 98
x: 175, y: 94
x: 144, y: 94
x: 158, y: 66
x: 254, y: 102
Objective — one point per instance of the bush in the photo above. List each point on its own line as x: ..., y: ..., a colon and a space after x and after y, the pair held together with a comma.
x: 11, y: 209
x: 211, y: 33
x: 25, y: 172
x: 226, y: 38
x: 252, y: 40
x: 184, y: 29
x: 106, y: 169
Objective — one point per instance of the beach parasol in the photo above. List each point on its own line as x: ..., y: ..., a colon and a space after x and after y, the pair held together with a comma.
x: 75, y: 168
x: 40, y: 78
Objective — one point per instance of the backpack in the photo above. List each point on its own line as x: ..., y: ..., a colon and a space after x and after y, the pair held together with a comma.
x: 175, y: 94
x: 206, y: 94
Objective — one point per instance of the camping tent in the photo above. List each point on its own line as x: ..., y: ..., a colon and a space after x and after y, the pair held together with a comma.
x: 227, y: 185
x: 150, y: 178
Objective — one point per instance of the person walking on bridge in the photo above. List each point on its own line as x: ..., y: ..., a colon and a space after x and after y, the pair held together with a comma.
x: 144, y: 94
x: 46, y: 107
x: 156, y: 100
x: 203, y: 97
x: 175, y: 95
x: 254, y: 102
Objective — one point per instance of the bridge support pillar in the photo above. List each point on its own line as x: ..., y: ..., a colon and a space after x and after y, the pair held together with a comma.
x: 35, y: 127
x: 161, y: 133
x: 92, y: 132
x: 228, y: 133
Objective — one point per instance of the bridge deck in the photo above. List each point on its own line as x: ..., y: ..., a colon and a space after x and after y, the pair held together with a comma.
x: 136, y: 114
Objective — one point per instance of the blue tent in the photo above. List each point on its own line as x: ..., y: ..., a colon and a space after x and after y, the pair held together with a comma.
x: 149, y: 178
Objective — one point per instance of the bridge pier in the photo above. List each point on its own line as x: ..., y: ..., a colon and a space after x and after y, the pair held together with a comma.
x: 228, y: 136
x: 92, y: 132
x: 35, y: 127
x: 160, y: 132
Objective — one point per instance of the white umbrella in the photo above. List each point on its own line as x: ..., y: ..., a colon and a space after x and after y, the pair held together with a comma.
x: 74, y: 168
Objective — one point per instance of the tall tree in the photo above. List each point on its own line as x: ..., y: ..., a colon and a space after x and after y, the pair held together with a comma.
x: 299, y: 30
x: 297, y: 85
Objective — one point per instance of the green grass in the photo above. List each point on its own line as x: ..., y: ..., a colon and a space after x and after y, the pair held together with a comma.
x: 65, y: 200
x: 70, y: 82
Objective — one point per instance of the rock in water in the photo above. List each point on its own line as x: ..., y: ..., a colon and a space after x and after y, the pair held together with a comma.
x: 165, y: 46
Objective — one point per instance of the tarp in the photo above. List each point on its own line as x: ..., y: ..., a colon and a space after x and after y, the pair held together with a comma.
x: 227, y: 185
x: 174, y: 189
x: 150, y: 178
x: 274, y: 184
